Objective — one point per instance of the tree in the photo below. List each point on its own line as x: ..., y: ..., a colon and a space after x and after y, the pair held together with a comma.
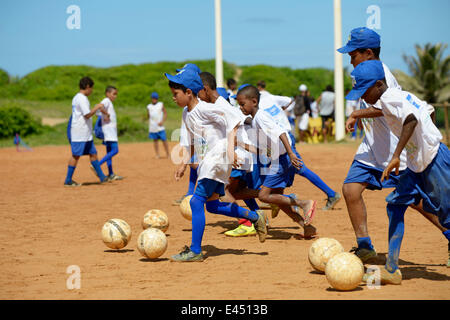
x: 430, y: 73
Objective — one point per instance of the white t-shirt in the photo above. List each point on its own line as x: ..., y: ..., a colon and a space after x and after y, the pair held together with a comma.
x: 271, y: 104
x: 109, y: 128
x: 80, y: 128
x: 327, y: 103
x: 379, y: 142
x: 208, y: 126
x: 184, y: 139
x: 350, y: 106
x: 156, y: 114
x: 423, y: 145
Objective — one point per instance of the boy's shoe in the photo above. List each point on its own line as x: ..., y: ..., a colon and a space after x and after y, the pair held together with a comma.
x: 187, y: 256
x: 241, y: 231
x: 364, y: 254
x: 76, y: 184
x: 331, y: 201
x: 309, y: 231
x: 260, y: 225
x: 386, y: 277
x: 106, y: 180
x: 275, y: 210
x: 113, y: 177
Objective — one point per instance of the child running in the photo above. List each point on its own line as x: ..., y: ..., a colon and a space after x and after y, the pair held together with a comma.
x: 211, y: 132
x: 428, y: 160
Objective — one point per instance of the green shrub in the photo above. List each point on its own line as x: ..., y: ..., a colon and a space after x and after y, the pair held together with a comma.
x: 4, y: 77
x: 127, y: 126
x: 17, y: 120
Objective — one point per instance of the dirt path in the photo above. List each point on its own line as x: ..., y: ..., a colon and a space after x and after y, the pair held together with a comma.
x: 46, y: 228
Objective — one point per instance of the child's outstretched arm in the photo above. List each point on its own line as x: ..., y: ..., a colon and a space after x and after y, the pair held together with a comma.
x: 370, y: 112
x: 407, y: 131
x: 94, y: 110
x: 296, y: 162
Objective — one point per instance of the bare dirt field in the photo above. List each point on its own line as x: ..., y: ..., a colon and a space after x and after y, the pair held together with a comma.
x: 46, y: 228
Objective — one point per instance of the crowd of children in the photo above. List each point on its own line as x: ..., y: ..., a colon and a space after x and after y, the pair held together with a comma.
x: 241, y: 145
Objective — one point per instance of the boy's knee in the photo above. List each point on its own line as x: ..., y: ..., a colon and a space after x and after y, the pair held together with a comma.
x: 350, y: 193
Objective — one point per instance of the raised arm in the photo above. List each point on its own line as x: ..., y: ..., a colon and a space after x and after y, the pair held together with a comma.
x: 370, y: 112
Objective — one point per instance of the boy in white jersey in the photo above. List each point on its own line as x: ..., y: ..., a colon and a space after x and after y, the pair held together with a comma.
x: 156, y: 114
x: 428, y: 160
x: 375, y: 150
x: 243, y: 173
x: 79, y: 132
x: 211, y: 132
x: 109, y: 129
x: 276, y: 105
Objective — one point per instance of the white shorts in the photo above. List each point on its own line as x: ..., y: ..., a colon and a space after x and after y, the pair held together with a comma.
x: 304, y: 121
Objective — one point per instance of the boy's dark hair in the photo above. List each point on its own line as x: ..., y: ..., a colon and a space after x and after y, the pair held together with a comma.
x: 208, y: 80
x: 329, y: 88
x: 110, y: 88
x: 250, y: 92
x: 175, y: 85
x: 261, y: 84
x: 376, y: 51
x: 231, y: 82
x: 86, y: 82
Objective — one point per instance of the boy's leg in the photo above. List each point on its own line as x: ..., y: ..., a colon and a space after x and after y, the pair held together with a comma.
x: 155, y: 143
x: 70, y: 170
x: 166, y: 147
x: 95, y: 164
x: 112, y: 149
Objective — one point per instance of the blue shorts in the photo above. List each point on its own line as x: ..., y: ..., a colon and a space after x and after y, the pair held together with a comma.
x: 83, y: 148
x: 206, y: 187
x: 431, y: 185
x: 284, y: 176
x: 361, y: 173
x: 251, y: 179
x: 161, y: 135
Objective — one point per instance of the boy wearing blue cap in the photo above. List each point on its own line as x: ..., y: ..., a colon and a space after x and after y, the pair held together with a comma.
x: 374, y: 151
x: 211, y: 133
x: 156, y: 114
x: 427, y: 159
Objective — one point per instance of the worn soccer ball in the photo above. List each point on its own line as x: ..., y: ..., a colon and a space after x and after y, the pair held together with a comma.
x: 344, y: 271
x: 156, y: 219
x: 152, y: 243
x: 321, y: 251
x: 185, y: 208
x: 116, y: 233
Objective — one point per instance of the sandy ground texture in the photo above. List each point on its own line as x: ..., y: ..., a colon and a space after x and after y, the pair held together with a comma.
x: 47, y: 228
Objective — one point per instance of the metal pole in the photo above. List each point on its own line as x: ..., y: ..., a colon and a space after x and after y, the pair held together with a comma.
x: 219, y: 60
x: 338, y: 74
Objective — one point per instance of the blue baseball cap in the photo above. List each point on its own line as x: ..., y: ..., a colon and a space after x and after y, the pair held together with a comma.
x: 223, y: 92
x: 188, y: 78
x: 361, y: 38
x: 191, y: 66
x: 240, y: 87
x: 364, y: 76
x: 154, y: 95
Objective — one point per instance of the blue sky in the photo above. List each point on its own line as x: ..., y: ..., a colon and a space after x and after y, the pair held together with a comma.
x: 293, y: 33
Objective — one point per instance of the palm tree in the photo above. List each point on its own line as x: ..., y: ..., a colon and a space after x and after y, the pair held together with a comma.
x: 430, y: 72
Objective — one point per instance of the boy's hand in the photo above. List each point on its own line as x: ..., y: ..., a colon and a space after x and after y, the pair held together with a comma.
x: 180, y: 172
x: 350, y: 123
x: 106, y: 118
x: 296, y: 162
x: 393, y: 164
x: 161, y: 123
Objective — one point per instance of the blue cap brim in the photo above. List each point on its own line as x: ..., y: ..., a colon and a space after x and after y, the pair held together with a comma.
x: 346, y: 49
x: 355, y: 94
x: 172, y: 78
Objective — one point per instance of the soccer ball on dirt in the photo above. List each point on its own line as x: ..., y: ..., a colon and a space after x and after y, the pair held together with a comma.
x: 152, y: 243
x: 185, y: 208
x: 344, y: 271
x: 116, y: 233
x: 322, y: 250
x: 156, y: 219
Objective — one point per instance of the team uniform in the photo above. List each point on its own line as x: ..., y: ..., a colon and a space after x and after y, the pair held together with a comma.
x: 156, y: 115
x: 80, y: 133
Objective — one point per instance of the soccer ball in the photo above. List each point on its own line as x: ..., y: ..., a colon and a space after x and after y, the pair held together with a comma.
x: 156, y: 219
x: 116, y: 233
x: 185, y: 208
x: 344, y: 271
x: 152, y: 243
x: 321, y: 251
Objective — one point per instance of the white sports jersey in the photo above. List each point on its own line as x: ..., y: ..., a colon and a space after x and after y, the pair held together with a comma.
x: 184, y: 139
x: 379, y: 142
x: 208, y: 126
x: 156, y: 116
x: 423, y: 145
x: 80, y: 128
x: 269, y: 103
x: 109, y: 128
